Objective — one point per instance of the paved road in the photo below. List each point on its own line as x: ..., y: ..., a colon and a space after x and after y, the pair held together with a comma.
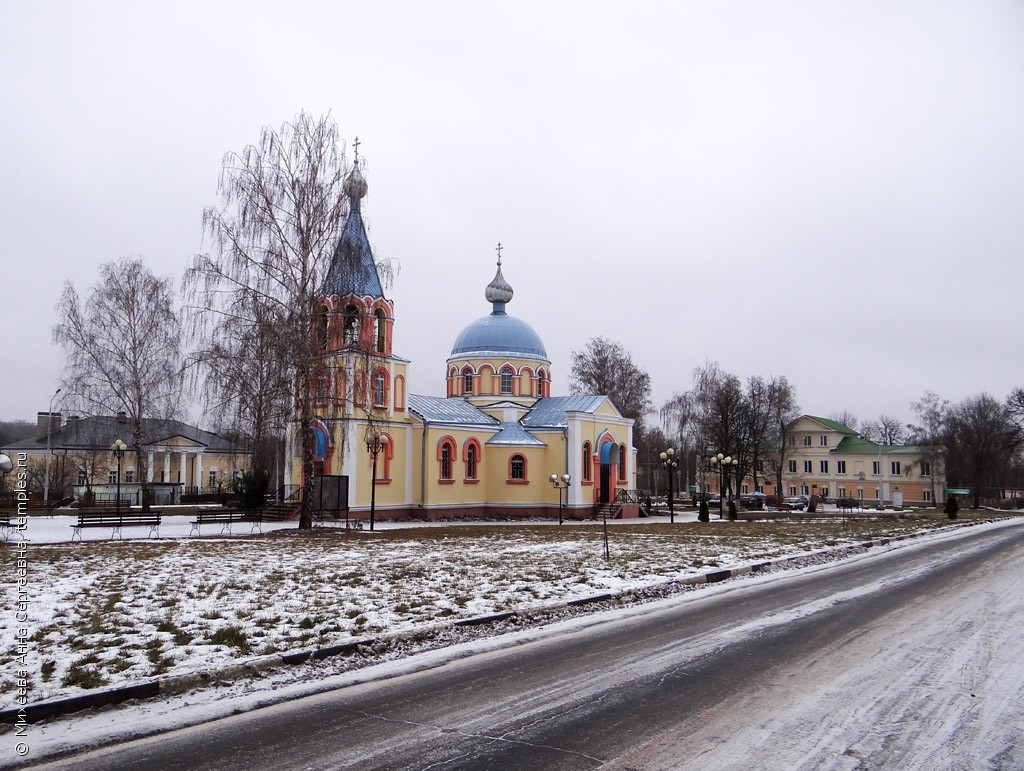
x: 907, y: 658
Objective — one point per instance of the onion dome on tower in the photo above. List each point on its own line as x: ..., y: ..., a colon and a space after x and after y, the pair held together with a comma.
x: 353, y: 270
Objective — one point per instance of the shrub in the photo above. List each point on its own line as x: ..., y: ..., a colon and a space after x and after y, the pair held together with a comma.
x: 251, y: 488
x: 951, y: 507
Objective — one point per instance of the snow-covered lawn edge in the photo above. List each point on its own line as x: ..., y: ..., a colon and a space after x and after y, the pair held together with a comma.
x: 525, y: 572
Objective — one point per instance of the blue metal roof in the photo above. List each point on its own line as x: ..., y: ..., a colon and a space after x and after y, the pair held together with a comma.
x: 551, y: 412
x: 438, y: 409
x: 499, y: 333
x: 513, y: 433
x: 353, y: 270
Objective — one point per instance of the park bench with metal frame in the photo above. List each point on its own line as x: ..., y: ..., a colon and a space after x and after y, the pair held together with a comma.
x: 226, y: 519
x: 108, y: 515
x: 7, y: 525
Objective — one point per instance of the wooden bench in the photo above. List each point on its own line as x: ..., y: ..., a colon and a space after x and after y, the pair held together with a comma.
x: 226, y: 519
x: 109, y: 516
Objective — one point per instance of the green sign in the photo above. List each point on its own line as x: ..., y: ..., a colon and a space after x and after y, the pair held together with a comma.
x: 958, y: 491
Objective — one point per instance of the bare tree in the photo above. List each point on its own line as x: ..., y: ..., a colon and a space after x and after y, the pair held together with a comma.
x: 282, y: 206
x: 11, y: 430
x: 722, y: 412
x: 1015, y: 406
x: 930, y: 434
x: 981, y: 440
x: 122, y: 349
x: 245, y: 383
x: 784, y: 410
x: 886, y: 430
x: 605, y: 367
x: 845, y: 418
x: 62, y: 477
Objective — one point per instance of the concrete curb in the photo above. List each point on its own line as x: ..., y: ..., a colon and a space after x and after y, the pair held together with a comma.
x: 174, y: 684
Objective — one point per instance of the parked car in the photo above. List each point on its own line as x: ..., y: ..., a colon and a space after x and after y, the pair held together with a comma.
x: 847, y: 503
x: 799, y: 503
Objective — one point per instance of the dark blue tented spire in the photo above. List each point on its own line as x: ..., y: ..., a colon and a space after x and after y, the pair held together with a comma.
x: 353, y: 270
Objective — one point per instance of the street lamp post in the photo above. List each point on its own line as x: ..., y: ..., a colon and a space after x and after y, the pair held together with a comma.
x: 671, y: 464
x: 375, y: 444
x: 118, y: 448
x: 560, y: 483
x: 46, y: 471
x: 726, y: 465
x: 59, y: 468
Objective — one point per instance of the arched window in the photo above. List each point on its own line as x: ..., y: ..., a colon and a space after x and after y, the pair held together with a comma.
x: 445, y: 460
x: 380, y: 331
x: 507, y: 373
x: 471, y: 460
x: 622, y: 463
x: 467, y: 381
x: 452, y: 375
x: 517, y: 468
x: 542, y: 384
x: 350, y: 325
x: 380, y: 388
x: 586, y: 461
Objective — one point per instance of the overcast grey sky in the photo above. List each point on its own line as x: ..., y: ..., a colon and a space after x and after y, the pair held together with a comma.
x: 830, y: 191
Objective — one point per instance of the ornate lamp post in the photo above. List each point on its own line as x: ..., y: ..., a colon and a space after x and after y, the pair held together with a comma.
x: 118, y: 448
x: 376, y: 442
x: 561, y: 483
x: 671, y: 464
x: 60, y: 452
x: 726, y: 465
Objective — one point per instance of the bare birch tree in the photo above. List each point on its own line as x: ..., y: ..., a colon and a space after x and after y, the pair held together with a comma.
x: 272, y: 237
x: 785, y: 410
x: 122, y: 348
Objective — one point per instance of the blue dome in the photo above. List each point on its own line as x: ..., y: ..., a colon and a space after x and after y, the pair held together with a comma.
x: 499, y: 333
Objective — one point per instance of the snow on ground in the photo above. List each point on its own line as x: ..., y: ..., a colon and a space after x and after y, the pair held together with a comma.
x: 199, y: 586
x: 105, y: 612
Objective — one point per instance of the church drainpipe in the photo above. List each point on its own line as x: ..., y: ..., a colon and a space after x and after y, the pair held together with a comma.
x: 423, y: 465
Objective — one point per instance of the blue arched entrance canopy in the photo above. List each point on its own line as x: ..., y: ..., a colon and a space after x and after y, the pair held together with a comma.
x: 609, y: 453
x: 320, y: 438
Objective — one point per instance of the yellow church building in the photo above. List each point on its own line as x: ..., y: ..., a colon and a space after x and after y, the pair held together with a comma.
x: 487, y: 449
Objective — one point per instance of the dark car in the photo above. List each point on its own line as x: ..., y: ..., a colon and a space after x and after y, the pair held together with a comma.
x: 847, y: 503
